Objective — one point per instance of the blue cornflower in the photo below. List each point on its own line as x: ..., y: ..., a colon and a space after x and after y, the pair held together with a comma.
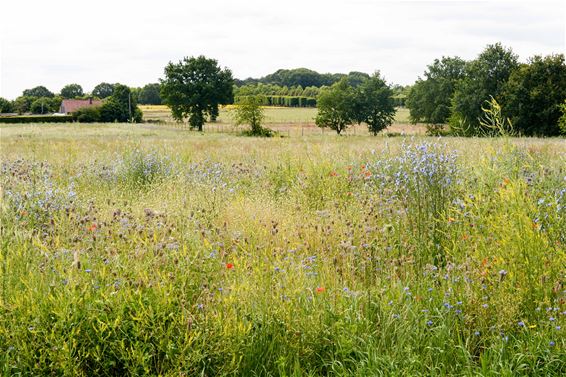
x: 552, y: 344
x: 429, y: 323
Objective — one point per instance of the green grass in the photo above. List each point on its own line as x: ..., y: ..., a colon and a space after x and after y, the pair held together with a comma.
x: 152, y: 250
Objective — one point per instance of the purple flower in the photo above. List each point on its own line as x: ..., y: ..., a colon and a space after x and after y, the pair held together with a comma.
x: 429, y: 323
x: 521, y: 324
x: 552, y: 344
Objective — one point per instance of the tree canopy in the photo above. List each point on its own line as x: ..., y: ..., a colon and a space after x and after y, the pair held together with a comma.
x: 374, y: 104
x: 120, y: 106
x: 6, y: 106
x: 149, y: 95
x: 485, y: 77
x: 72, y: 91
x: 533, y: 95
x: 37, y: 92
x: 195, y: 87
x: 103, y: 90
x: 336, y: 107
x: 429, y: 100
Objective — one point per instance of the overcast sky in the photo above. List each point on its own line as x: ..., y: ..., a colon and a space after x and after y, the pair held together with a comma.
x: 57, y: 42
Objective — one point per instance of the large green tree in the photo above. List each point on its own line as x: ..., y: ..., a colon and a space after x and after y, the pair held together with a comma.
x: 195, y: 87
x: 103, y: 90
x: 485, y: 77
x: 534, y: 94
x: 374, y: 104
x: 336, y: 107
x: 72, y: 91
x: 429, y: 100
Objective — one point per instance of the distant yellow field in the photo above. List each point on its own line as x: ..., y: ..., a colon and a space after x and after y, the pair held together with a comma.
x: 273, y: 114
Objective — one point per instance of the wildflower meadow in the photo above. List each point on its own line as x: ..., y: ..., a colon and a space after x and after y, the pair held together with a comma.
x: 130, y: 250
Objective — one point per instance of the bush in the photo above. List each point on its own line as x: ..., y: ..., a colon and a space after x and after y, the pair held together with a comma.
x: 112, y: 111
x: 87, y: 114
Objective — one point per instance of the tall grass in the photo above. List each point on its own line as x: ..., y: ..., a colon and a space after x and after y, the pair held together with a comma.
x: 326, y: 256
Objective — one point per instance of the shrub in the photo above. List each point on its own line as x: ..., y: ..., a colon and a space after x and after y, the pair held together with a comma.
x: 88, y: 114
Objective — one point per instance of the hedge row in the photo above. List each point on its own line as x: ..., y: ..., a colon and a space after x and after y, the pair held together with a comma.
x: 37, y: 119
x: 286, y: 101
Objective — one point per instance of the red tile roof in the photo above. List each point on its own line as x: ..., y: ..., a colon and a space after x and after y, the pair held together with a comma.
x: 71, y: 105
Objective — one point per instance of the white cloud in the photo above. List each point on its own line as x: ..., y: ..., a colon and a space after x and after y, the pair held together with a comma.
x: 59, y: 42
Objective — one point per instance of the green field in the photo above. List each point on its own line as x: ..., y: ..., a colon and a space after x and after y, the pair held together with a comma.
x: 154, y: 250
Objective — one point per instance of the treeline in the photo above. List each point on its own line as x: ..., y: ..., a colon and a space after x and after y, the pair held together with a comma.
x: 304, y: 78
x: 527, y: 98
x: 119, y: 105
x: 41, y: 101
x: 283, y: 101
x: 276, y: 95
x: 293, y: 87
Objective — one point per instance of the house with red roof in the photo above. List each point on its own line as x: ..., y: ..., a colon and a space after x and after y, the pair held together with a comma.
x: 69, y: 106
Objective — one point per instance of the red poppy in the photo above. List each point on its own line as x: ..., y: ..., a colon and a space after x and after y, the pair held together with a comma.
x: 92, y: 228
x: 320, y: 289
x: 229, y: 266
x: 333, y: 174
